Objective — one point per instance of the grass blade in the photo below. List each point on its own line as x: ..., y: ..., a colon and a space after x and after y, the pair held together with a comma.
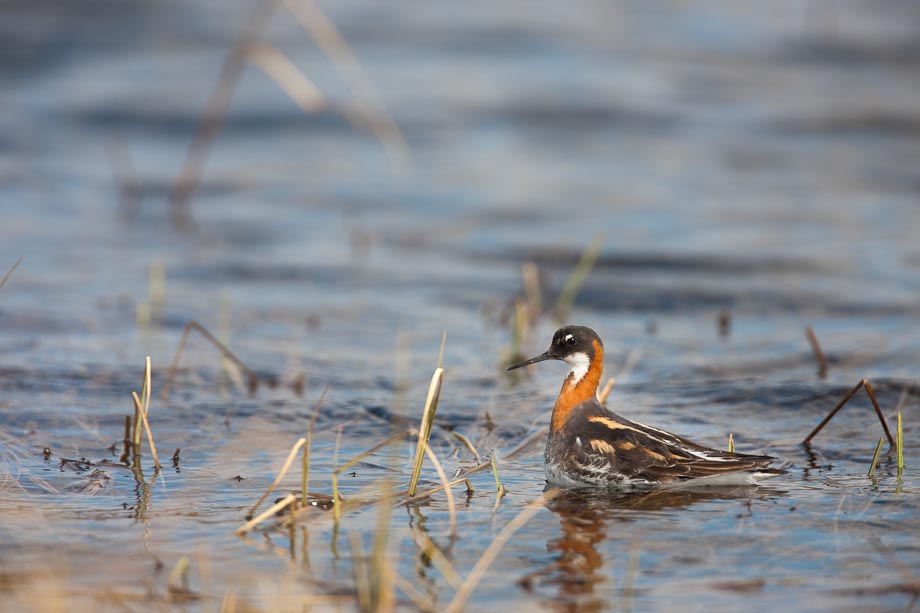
x: 451, y: 507
x: 424, y: 431
x: 577, y: 277
x: 875, y: 456
x: 900, y: 441
x: 287, y: 464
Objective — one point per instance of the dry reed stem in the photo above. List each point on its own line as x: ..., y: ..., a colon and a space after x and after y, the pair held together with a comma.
x: 816, y: 349
x: 521, y: 447
x: 9, y: 273
x: 194, y: 325
x: 441, y: 350
x: 602, y: 397
x: 900, y: 443
x: 878, y: 411
x: 424, y: 433
x: 466, y: 443
x: 491, y: 552
x: 499, y: 488
x: 833, y: 412
x: 435, y: 490
x: 333, y: 44
x: 336, y: 504
x: 136, y: 425
x: 731, y: 442
x: 287, y: 76
x: 875, y: 457
x: 451, y: 507
x: 377, y: 447
x: 531, y: 275
x: 577, y: 277
x: 143, y: 414
x: 255, y: 521
x: 148, y: 384
x: 216, y: 108
x: 382, y: 572
x: 287, y: 464
x: 308, y: 447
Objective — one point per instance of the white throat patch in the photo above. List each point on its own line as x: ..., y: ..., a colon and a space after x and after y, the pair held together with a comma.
x: 578, y: 366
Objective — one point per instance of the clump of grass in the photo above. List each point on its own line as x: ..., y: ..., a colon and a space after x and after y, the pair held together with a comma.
x: 141, y: 410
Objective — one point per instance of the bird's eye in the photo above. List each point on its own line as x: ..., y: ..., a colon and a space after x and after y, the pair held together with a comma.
x: 570, y: 340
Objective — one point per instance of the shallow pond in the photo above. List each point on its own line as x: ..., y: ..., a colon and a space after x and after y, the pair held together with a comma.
x: 756, y: 163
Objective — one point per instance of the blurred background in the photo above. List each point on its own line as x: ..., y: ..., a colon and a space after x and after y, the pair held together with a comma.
x: 755, y: 157
x: 329, y: 186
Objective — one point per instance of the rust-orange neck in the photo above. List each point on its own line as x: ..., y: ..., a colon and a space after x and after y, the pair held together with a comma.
x: 573, y: 394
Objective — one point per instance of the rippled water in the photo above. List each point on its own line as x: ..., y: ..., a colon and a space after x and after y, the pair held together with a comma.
x: 755, y: 159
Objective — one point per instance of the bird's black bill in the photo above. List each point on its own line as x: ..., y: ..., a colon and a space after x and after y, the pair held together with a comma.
x: 534, y: 360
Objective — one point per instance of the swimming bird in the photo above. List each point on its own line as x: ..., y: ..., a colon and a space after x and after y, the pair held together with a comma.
x: 590, y: 445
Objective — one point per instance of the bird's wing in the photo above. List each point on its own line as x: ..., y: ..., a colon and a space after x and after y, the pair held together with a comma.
x: 607, y: 445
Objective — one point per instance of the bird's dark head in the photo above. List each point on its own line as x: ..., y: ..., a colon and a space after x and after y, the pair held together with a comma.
x: 575, y: 345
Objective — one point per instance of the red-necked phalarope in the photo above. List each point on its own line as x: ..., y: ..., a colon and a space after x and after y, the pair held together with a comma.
x: 589, y: 445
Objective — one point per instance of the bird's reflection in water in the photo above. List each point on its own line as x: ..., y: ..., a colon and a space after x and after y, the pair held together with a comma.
x: 581, y: 582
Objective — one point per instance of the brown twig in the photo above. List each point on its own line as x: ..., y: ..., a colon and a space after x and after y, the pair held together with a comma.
x: 816, y: 349
x: 194, y: 325
x: 833, y: 412
x: 878, y: 410
x: 863, y: 383
x: 10, y: 272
